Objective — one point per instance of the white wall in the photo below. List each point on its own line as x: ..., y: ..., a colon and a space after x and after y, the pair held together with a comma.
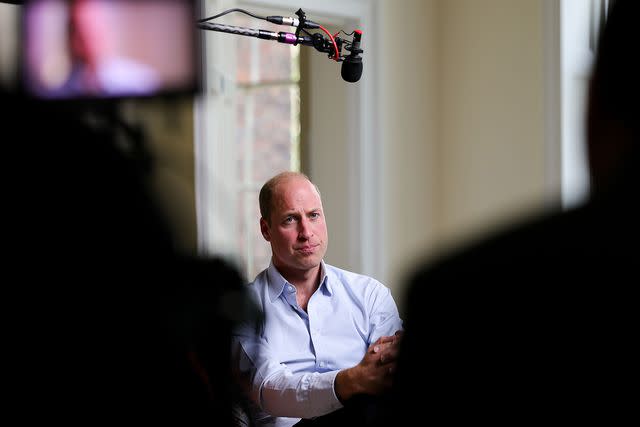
x: 462, y: 123
x: 492, y: 148
x: 408, y: 118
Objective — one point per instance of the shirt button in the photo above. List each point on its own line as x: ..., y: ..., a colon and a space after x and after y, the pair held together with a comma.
x: 290, y: 288
x: 322, y: 364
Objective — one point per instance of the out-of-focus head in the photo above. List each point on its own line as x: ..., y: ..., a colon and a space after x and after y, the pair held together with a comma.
x: 92, y: 29
x: 613, y: 119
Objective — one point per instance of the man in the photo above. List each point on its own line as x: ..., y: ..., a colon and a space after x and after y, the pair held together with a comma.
x: 536, y: 324
x: 329, y: 336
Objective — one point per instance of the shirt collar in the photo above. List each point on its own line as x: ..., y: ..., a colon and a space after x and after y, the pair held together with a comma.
x: 324, y: 282
x: 277, y: 283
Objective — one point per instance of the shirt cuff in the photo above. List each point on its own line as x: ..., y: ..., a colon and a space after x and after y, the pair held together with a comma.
x: 323, y: 399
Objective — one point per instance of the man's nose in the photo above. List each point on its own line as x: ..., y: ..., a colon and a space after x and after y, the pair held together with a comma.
x: 304, y: 230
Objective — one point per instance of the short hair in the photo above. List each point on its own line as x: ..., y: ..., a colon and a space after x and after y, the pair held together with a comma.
x: 268, y: 190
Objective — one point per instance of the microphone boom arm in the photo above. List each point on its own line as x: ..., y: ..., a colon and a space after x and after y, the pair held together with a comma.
x: 281, y: 37
x: 317, y: 40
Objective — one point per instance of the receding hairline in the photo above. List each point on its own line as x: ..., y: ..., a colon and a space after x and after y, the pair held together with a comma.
x: 268, y: 190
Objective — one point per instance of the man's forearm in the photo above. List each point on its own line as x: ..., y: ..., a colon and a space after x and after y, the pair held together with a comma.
x: 372, y: 375
x: 300, y: 395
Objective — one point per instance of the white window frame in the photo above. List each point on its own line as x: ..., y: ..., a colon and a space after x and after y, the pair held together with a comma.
x: 571, y: 29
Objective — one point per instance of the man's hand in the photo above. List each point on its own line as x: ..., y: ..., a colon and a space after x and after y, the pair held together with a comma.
x: 373, y: 375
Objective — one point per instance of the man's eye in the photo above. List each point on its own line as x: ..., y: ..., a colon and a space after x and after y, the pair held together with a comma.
x: 288, y: 220
x: 315, y: 215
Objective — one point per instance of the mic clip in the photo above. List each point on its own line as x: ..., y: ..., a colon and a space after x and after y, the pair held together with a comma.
x: 302, y: 18
x: 322, y: 44
x: 354, y: 47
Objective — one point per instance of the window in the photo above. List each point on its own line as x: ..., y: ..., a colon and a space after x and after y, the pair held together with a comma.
x: 268, y: 129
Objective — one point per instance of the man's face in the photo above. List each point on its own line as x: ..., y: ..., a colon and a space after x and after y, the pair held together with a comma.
x: 297, y: 232
x: 94, y: 29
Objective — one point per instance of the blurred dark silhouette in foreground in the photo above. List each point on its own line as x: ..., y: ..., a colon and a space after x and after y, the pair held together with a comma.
x: 108, y: 323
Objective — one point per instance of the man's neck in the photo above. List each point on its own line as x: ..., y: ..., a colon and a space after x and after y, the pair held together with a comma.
x: 305, y: 281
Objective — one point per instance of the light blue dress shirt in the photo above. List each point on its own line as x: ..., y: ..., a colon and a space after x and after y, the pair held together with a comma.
x: 291, y: 363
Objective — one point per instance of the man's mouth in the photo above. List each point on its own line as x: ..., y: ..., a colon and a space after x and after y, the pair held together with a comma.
x: 308, y: 249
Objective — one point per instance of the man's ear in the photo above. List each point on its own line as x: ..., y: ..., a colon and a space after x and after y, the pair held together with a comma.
x: 264, y: 228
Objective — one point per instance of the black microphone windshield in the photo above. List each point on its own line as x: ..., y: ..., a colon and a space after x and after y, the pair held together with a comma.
x: 351, y: 69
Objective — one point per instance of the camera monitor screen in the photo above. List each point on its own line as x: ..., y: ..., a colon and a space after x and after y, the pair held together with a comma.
x: 109, y: 48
